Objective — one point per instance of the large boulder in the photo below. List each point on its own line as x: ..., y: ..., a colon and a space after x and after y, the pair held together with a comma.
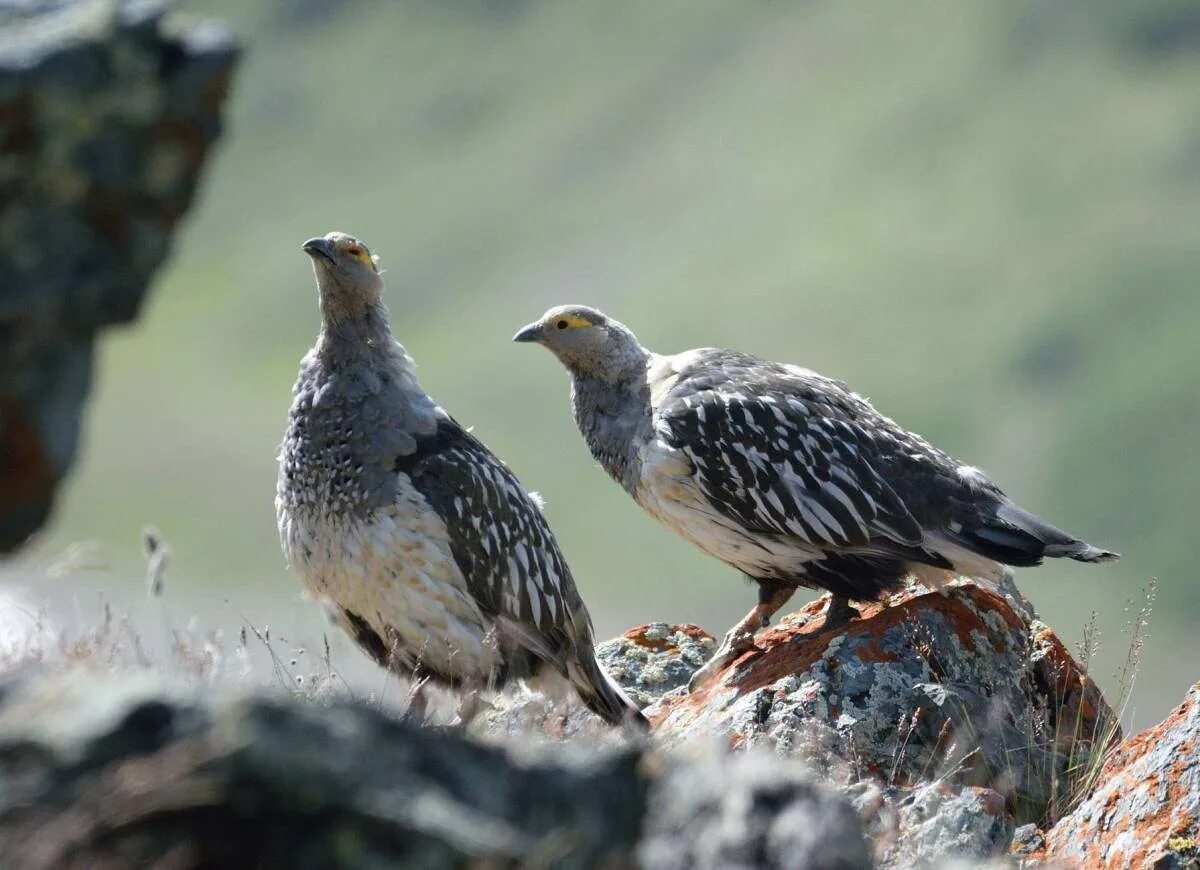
x: 946, y: 718
x: 1144, y: 809
x: 108, y: 112
x: 964, y: 687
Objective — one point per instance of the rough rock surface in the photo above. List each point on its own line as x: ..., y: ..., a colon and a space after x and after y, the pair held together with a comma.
x: 1145, y: 808
x: 108, y: 111
x: 936, y: 822
x: 129, y: 770
x: 108, y: 773
x: 651, y: 660
x: 123, y: 769
x: 751, y: 811
x: 964, y: 688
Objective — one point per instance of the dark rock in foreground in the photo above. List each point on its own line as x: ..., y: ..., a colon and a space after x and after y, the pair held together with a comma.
x: 748, y: 812
x: 121, y: 771
x: 108, y: 111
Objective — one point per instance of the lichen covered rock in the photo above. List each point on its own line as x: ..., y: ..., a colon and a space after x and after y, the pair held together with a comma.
x: 651, y: 660
x: 937, y: 822
x: 108, y: 112
x: 964, y: 687
x: 1144, y: 810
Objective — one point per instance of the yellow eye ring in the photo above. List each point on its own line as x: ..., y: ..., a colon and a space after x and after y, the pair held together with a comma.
x: 570, y: 321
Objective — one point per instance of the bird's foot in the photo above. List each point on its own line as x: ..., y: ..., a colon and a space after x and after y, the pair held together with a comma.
x: 737, y: 641
x: 838, y: 613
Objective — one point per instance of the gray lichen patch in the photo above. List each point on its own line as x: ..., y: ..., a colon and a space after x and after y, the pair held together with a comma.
x: 656, y: 659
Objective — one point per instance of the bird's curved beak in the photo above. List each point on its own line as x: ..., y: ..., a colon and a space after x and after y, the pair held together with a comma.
x: 319, y: 247
x: 530, y: 333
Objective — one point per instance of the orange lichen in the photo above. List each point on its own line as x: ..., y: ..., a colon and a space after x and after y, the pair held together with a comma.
x: 1098, y: 835
x: 639, y: 636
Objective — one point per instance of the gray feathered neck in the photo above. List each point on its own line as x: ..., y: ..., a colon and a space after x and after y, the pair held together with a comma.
x: 357, y: 408
x: 610, y: 400
x: 614, y: 418
x: 361, y: 334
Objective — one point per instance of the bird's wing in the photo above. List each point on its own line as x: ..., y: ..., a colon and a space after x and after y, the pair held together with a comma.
x: 501, y: 542
x: 784, y: 451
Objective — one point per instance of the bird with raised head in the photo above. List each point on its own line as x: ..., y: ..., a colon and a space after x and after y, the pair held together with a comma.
x: 423, y: 545
x: 785, y: 475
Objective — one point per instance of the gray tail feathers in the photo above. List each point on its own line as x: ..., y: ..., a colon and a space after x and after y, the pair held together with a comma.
x: 602, y: 695
x: 1014, y: 536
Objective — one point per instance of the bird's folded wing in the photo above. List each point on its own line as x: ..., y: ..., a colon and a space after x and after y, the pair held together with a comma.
x: 501, y: 542
x: 779, y: 457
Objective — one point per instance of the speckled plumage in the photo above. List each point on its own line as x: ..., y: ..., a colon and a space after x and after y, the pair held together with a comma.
x: 782, y: 473
x: 426, y: 548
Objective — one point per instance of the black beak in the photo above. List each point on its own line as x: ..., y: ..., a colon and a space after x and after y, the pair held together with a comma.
x: 318, y: 247
x: 532, y: 332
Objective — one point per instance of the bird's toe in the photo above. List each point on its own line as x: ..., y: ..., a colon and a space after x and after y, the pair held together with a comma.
x: 839, y: 613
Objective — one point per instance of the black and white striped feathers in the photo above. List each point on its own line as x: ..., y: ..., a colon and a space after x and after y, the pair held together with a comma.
x: 787, y: 475
x: 501, y: 542
x: 789, y: 455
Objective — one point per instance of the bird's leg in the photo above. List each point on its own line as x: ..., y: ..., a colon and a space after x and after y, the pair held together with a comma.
x: 418, y: 701
x: 771, y: 597
x: 739, y: 639
x: 470, y: 704
x: 839, y: 612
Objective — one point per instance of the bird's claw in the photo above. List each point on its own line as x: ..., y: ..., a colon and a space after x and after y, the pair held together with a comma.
x: 736, y: 642
x: 838, y: 613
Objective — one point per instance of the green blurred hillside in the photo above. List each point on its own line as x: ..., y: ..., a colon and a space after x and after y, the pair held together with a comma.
x: 986, y: 217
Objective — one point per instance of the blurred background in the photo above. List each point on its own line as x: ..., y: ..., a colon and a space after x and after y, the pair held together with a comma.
x: 985, y: 217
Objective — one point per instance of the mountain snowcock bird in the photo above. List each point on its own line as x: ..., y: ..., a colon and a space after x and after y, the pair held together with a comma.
x: 423, y: 545
x: 784, y: 474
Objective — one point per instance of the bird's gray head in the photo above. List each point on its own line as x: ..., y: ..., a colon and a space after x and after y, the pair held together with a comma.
x: 348, y: 279
x: 589, y: 343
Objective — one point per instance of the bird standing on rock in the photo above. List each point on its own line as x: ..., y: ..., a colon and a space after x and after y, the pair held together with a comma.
x: 784, y: 474
x: 430, y: 553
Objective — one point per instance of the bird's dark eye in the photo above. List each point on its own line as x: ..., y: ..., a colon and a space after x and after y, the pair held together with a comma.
x: 562, y: 324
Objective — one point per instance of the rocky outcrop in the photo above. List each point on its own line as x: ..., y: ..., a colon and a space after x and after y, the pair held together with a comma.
x: 121, y: 769
x: 964, y: 687
x: 108, y: 112
x: 1144, y: 810
x: 130, y: 772
x: 932, y: 823
x: 947, y: 719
